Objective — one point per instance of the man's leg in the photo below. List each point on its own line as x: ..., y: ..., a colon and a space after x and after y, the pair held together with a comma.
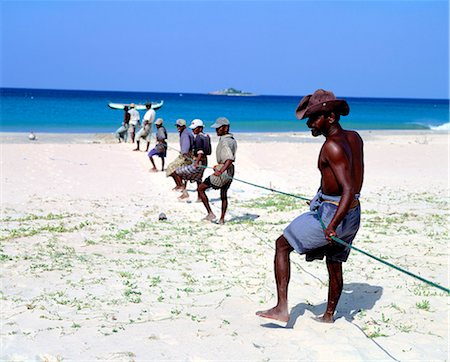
x: 137, y: 146
x: 336, y: 282
x: 178, y: 182
x: 131, y: 133
x: 184, y: 194
x: 153, y: 163
x: 162, y: 163
x: 224, y: 198
x: 199, y: 199
x: 282, y: 265
x: 201, y: 192
x: 148, y: 139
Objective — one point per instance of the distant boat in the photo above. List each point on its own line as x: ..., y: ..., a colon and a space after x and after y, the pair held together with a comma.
x: 231, y: 92
x: 139, y: 107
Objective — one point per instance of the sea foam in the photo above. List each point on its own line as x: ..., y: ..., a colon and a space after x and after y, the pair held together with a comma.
x: 442, y: 127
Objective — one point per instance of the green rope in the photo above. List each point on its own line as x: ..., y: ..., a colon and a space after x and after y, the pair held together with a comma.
x: 342, y: 242
x: 336, y: 239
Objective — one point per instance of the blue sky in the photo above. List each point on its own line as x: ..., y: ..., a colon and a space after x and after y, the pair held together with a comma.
x: 355, y: 48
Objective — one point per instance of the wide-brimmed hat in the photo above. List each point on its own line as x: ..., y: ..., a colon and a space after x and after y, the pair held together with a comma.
x: 321, y: 101
x: 196, y: 123
x: 132, y: 105
x: 221, y: 121
x: 159, y: 121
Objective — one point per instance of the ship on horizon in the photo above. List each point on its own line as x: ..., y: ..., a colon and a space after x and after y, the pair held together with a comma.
x: 231, y: 92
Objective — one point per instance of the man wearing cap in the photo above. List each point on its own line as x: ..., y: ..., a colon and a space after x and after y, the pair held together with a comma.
x: 161, y: 145
x: 185, y: 156
x: 223, y: 172
x: 202, y: 147
x: 146, y: 130
x: 135, y: 121
x: 336, y: 203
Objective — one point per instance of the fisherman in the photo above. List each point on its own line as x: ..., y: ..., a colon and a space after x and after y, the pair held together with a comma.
x: 161, y: 145
x: 202, y: 148
x: 135, y: 121
x: 122, y: 132
x: 146, y: 130
x: 223, y: 172
x: 336, y: 203
x: 185, y: 156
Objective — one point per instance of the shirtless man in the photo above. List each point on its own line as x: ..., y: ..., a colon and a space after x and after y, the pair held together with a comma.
x: 341, y: 166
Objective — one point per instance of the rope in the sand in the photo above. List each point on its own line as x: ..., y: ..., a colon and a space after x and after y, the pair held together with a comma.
x: 335, y: 238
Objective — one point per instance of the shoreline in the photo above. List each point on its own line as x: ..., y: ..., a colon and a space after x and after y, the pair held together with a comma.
x: 95, y: 138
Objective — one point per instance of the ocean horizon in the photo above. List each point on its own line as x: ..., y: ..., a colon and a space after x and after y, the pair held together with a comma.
x: 87, y: 111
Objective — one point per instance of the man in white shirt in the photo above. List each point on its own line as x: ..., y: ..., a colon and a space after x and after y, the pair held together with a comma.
x: 146, y: 130
x: 135, y: 120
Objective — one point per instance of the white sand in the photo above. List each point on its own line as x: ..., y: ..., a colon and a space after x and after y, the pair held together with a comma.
x: 89, y: 273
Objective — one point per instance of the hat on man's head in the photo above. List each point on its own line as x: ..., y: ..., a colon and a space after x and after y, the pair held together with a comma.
x: 221, y: 121
x: 148, y: 104
x: 321, y: 101
x: 196, y: 123
x: 158, y: 121
x: 180, y: 122
x: 132, y: 105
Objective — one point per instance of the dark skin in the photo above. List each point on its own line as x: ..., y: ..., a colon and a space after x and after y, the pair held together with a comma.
x: 180, y: 186
x: 198, y: 158
x: 126, y: 119
x: 162, y: 158
x: 221, y: 131
x: 342, y: 169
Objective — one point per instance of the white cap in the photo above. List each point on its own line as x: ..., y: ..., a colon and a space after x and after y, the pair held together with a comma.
x: 159, y: 121
x: 196, y: 123
x: 180, y: 122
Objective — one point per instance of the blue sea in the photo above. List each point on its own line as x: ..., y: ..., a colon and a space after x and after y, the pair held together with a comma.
x: 73, y: 111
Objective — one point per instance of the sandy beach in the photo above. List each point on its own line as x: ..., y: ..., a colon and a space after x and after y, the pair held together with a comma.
x: 90, y: 273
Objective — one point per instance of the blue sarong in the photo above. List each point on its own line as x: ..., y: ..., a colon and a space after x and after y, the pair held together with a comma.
x: 306, y: 235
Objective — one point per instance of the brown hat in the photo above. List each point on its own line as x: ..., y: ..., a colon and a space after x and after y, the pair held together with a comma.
x: 321, y: 101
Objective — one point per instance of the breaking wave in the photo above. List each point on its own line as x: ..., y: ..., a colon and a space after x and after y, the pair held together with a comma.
x: 442, y: 127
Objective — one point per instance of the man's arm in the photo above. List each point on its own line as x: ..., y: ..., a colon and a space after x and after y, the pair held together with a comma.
x: 227, y: 164
x: 200, y: 146
x: 185, y: 144
x: 227, y: 155
x: 340, y: 164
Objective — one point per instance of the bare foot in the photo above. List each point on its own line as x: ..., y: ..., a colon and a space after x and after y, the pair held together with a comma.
x: 221, y: 221
x: 153, y: 170
x: 199, y: 200
x: 275, y: 313
x: 136, y: 149
x: 178, y: 188
x: 326, y: 318
x: 184, y: 195
x: 210, y: 217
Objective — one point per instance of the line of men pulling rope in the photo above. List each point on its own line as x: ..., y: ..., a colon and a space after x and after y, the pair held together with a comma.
x: 328, y: 229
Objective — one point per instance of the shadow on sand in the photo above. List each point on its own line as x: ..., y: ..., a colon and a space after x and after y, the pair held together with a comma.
x: 245, y: 217
x: 355, y: 298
